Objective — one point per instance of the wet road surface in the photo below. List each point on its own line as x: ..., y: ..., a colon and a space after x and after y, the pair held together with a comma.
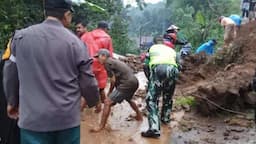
x: 119, y: 130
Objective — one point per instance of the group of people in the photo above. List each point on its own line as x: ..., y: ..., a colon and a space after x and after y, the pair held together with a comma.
x: 123, y: 83
x: 231, y: 27
x: 248, y: 8
x: 50, y: 75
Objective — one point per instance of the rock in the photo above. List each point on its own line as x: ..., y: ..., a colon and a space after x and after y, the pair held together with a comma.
x: 211, y: 129
x: 236, y: 137
x: 237, y: 129
x: 241, y: 122
x: 177, y: 108
x: 185, y: 126
x: 141, y: 93
x: 209, y: 140
x: 250, y: 98
x: 226, y: 133
x: 186, y: 107
x: 191, y: 142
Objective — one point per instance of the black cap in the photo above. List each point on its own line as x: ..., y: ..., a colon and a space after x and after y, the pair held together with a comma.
x: 103, y: 25
x: 104, y: 52
x: 59, y: 4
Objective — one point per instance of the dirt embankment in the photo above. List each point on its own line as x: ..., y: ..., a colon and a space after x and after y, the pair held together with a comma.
x: 133, y: 62
x: 224, y: 78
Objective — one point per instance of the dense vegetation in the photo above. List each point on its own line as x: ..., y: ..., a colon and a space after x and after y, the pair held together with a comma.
x: 197, y: 18
x: 17, y: 14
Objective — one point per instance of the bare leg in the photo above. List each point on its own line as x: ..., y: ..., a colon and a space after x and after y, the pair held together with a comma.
x: 106, y: 111
x: 102, y: 95
x: 102, y: 99
x: 136, y: 109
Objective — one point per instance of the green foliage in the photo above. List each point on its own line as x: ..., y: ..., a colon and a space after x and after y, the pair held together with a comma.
x: 182, y: 101
x: 121, y: 42
x: 16, y: 14
x: 119, y: 32
x: 196, y: 18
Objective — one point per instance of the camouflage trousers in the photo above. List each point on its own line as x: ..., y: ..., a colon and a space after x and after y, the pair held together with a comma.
x: 161, y: 83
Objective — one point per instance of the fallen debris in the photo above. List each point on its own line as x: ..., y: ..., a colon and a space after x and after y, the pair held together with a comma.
x: 223, y: 79
x: 133, y: 61
x: 241, y: 122
x: 141, y: 93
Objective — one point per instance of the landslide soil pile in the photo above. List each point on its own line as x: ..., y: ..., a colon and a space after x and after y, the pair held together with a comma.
x: 133, y: 62
x: 224, y: 78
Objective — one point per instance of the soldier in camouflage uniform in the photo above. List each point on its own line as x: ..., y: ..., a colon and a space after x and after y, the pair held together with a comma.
x: 163, y: 73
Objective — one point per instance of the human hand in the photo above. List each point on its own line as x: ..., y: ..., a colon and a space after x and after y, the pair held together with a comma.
x: 83, y: 104
x: 12, y: 112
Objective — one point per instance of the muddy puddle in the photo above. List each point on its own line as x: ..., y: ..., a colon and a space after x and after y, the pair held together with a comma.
x: 120, y: 129
x: 185, y: 128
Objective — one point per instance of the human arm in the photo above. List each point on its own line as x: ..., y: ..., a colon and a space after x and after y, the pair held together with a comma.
x: 112, y: 78
x: 11, y: 82
x: 110, y: 48
x: 146, y: 68
x: 112, y: 85
x: 87, y: 82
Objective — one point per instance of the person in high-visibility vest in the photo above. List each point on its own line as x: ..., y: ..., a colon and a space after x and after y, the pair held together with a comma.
x: 163, y: 64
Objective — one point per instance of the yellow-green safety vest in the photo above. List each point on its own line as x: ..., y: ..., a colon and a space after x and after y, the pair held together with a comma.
x: 162, y: 54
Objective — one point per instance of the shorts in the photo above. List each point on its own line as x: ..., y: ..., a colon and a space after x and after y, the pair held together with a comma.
x: 118, y: 96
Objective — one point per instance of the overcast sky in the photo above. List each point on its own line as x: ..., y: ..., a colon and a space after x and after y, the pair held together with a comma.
x: 132, y: 2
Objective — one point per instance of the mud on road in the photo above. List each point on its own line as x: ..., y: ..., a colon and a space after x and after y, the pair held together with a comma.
x: 185, y: 128
x: 224, y: 79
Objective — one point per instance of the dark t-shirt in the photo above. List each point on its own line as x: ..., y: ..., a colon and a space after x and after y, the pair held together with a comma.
x: 125, y: 79
x: 252, y: 4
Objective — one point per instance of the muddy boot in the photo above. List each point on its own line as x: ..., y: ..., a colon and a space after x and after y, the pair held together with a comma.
x: 151, y: 134
x: 166, y: 111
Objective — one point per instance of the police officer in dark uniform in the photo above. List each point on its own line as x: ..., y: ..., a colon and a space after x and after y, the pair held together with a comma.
x: 9, y: 132
x: 48, y: 71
